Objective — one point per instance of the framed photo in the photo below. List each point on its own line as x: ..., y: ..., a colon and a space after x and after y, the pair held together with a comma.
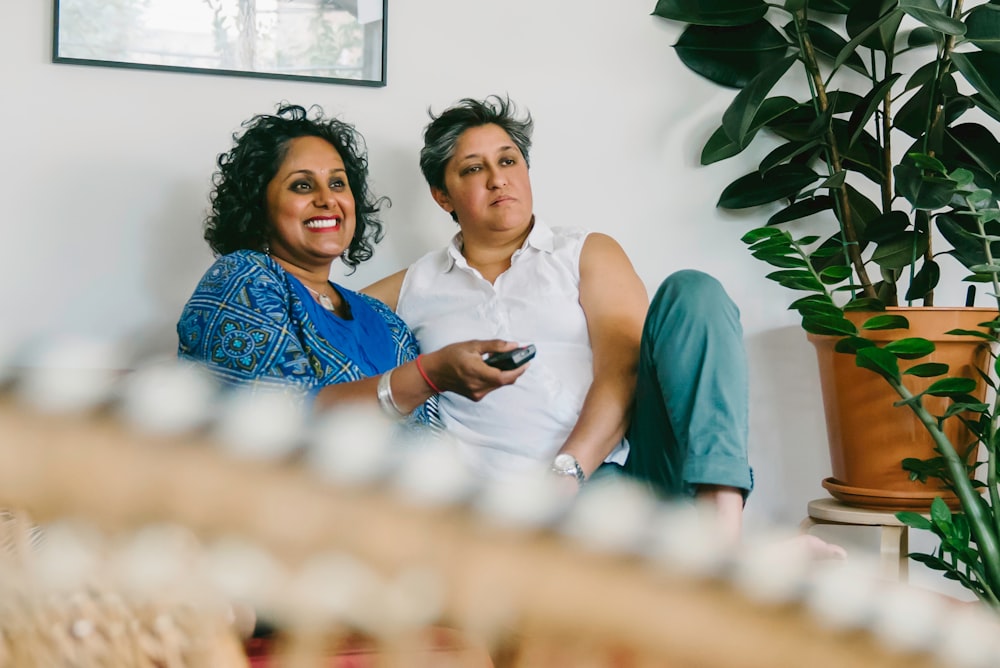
x: 335, y: 41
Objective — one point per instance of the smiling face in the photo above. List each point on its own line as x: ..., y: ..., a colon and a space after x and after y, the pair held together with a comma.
x: 486, y: 183
x: 310, y: 205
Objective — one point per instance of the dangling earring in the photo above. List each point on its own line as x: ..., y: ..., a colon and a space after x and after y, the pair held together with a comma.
x: 266, y: 249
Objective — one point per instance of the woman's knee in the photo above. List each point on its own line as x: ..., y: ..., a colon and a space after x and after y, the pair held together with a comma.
x: 690, y: 287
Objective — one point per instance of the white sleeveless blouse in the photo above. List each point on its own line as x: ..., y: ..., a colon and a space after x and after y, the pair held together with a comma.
x: 519, y: 428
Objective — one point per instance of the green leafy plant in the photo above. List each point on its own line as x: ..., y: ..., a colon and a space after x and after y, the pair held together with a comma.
x: 969, y: 548
x: 892, y: 140
x: 872, y: 92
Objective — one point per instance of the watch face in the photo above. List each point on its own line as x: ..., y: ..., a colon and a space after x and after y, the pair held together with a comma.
x: 565, y: 462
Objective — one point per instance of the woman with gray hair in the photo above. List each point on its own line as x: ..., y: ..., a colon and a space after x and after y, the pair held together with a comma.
x: 655, y: 391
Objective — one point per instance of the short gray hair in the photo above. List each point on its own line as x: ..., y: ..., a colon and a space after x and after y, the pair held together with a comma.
x: 442, y: 133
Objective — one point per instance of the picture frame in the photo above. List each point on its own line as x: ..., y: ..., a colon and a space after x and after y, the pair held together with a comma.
x: 330, y: 41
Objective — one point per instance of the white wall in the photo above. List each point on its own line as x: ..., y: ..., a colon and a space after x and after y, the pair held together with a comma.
x: 106, y: 175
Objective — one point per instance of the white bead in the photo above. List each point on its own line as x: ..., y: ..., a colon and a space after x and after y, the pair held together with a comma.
x: 169, y: 398
x: 414, y: 598
x: 843, y: 594
x: 530, y: 501
x: 260, y: 422
x: 70, y: 375
x: 68, y: 556
x: 689, y: 539
x: 245, y: 572
x: 907, y: 618
x: 611, y: 515
x: 432, y: 473
x: 351, y: 445
x: 155, y: 560
x: 770, y: 569
x: 970, y: 637
x: 334, y: 588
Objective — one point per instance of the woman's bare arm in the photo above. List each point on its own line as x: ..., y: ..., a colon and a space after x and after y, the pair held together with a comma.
x: 615, y: 302
x: 387, y: 289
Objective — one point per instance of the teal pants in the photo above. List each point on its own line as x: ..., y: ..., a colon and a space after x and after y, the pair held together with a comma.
x: 690, y: 418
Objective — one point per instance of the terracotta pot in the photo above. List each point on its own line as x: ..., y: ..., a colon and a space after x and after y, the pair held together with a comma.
x: 868, y: 436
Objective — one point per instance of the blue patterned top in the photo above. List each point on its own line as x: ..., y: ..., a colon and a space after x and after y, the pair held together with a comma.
x: 250, y: 320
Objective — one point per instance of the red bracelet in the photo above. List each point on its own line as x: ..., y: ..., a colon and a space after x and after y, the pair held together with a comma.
x: 427, y: 379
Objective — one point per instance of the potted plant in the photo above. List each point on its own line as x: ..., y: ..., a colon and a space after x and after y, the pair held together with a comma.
x: 893, y: 141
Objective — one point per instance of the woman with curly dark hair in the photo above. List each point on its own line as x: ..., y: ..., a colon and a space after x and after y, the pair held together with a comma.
x: 290, y: 198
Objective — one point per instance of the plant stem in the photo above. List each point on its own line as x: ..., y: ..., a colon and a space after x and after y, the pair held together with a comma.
x: 982, y: 528
x: 886, y: 184
x: 943, y: 62
x: 991, y: 446
x: 851, y: 245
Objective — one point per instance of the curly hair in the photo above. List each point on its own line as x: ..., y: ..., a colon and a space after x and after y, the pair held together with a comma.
x: 443, y: 132
x: 238, y: 218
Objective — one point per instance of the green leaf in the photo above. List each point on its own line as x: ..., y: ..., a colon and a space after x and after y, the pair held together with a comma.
x: 921, y: 36
x: 872, y: 26
x: 787, y: 152
x: 927, y: 370
x: 781, y: 261
x: 864, y: 304
x: 774, y: 246
x: 902, y: 251
x: 910, y: 348
x: 940, y: 513
x: 982, y: 70
x: 985, y: 268
x: 828, y: 43
x: 974, y: 333
x: 964, y: 407
x: 755, y: 189
x: 832, y: 6
x: 914, y: 520
x: 802, y: 209
x: 982, y: 27
x: 828, y: 325
x: 863, y: 156
x: 794, y: 279
x: 852, y: 344
x: 711, y: 12
x: 961, y: 233
x: 770, y: 109
x: 978, y: 145
x: 811, y: 300
x: 718, y: 147
x: 878, y: 360
x: 815, y: 309
x: 928, y: 162
x: 863, y: 210
x: 922, y: 192
x: 887, y: 226
x: 738, y: 118
x: 835, y: 181
x: 864, y: 111
x: 924, y: 281
x: 758, y: 233
x: 986, y: 106
x: 835, y: 274
x: 880, y: 322
x: 730, y: 56
x: 947, y: 387
x: 929, y: 13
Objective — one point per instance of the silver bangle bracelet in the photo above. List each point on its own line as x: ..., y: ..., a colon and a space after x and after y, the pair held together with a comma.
x: 385, y: 399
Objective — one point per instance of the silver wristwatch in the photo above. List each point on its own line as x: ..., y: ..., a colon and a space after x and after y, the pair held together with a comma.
x: 566, y: 464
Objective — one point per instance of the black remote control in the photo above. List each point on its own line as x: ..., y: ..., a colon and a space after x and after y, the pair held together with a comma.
x: 511, y: 359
